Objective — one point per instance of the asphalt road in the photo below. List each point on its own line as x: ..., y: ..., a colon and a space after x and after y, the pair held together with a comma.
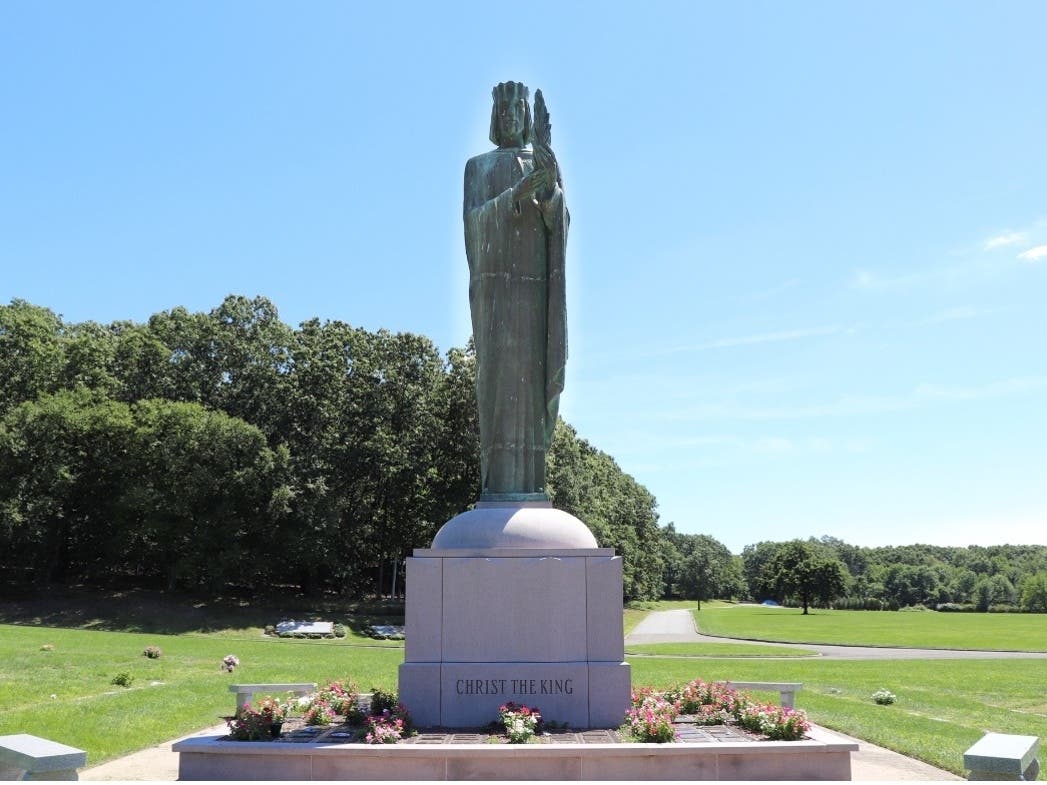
x: 678, y: 627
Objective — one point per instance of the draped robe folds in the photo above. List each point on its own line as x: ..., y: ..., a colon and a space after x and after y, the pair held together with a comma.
x: 516, y: 253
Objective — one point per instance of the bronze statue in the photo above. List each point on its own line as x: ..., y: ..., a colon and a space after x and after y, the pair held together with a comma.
x: 516, y: 223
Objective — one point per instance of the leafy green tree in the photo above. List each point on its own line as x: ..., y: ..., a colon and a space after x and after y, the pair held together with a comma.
x: 759, y: 580
x: 1034, y: 593
x: 701, y: 567
x: 63, y: 464
x: 912, y: 584
x: 205, y: 495
x: 87, y: 358
x: 799, y: 570
x: 30, y: 352
x: 621, y: 513
x: 141, y: 363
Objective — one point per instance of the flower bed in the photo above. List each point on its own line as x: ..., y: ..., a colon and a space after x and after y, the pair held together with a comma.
x: 654, y: 715
x: 384, y: 721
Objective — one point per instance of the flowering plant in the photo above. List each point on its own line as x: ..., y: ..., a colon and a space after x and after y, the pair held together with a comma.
x: 273, y: 710
x: 884, y: 697
x: 248, y: 724
x: 651, y: 718
x: 318, y: 712
x: 388, y: 726
x: 521, y: 722
x: 707, y: 700
x: 778, y: 723
x: 341, y: 697
x: 381, y: 731
x: 230, y: 661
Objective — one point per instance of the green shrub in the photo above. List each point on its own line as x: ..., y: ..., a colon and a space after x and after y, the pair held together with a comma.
x: 382, y: 701
x: 122, y: 679
x: 884, y: 697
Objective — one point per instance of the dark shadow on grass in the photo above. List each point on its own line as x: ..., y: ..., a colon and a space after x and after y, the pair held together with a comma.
x: 163, y: 613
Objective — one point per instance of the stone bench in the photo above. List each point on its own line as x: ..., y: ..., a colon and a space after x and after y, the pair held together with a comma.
x: 246, y: 692
x: 27, y: 757
x: 1002, y: 756
x: 786, y: 689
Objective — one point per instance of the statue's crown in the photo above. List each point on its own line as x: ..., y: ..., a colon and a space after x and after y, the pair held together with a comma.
x: 510, y: 91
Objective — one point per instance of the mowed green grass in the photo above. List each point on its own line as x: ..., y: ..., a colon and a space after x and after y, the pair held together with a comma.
x: 183, y: 691
x: 716, y: 650
x: 928, y: 630
x: 943, y: 706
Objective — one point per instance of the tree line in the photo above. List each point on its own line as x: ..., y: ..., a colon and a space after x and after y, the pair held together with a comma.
x: 202, y: 450
x: 208, y: 450
x: 829, y: 572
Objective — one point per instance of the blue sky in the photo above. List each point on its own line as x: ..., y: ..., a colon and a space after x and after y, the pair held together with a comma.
x: 808, y: 255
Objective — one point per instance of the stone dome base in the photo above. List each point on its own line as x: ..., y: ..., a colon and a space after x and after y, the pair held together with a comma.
x: 514, y: 525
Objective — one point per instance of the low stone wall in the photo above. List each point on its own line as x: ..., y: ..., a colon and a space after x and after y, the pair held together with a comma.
x: 824, y: 756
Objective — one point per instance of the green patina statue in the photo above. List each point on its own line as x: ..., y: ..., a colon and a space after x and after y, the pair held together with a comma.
x: 516, y: 223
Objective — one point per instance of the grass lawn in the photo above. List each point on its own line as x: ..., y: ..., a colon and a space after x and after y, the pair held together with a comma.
x: 928, y: 630
x: 716, y: 650
x: 183, y: 691
x: 140, y: 610
x: 943, y: 706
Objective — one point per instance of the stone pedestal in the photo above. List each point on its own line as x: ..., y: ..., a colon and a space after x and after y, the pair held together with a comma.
x: 540, y: 626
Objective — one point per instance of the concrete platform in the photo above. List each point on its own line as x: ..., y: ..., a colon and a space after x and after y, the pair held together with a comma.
x: 870, y: 763
x: 825, y: 756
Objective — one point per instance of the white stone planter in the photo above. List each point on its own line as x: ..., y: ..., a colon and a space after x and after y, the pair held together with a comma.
x: 824, y: 756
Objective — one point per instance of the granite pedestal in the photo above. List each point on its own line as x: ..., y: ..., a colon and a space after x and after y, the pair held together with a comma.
x: 520, y: 607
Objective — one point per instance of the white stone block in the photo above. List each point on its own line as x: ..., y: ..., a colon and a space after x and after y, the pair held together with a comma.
x: 471, y: 693
x: 609, y: 693
x: 39, y: 758
x: 605, y: 638
x: 514, y: 610
x: 375, y: 769
x: 419, y: 691
x: 423, y: 613
x: 527, y: 768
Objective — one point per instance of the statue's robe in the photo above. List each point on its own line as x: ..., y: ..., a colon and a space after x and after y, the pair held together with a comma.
x: 516, y: 295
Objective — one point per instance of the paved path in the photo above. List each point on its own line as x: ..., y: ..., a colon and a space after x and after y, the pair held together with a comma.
x: 154, y: 764
x: 678, y: 627
x: 160, y: 764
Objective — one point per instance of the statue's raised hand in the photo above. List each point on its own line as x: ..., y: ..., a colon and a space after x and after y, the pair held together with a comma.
x: 538, y: 181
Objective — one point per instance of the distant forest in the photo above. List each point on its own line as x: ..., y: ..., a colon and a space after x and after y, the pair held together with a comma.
x: 226, y: 451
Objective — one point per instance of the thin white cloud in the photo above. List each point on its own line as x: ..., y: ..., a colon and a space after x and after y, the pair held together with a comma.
x: 866, y: 279
x: 773, y: 291
x: 957, y: 313
x: 774, y: 444
x: 925, y: 394
x: 1007, y: 238
x: 758, y: 338
x: 1034, y: 254
x: 1004, y: 387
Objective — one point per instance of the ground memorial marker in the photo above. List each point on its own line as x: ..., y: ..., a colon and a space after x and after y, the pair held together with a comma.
x: 515, y: 601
